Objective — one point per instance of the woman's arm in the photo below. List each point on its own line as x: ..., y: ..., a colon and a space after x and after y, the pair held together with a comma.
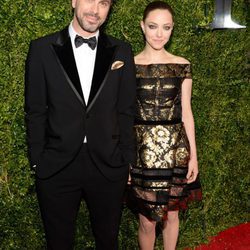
x: 188, y: 120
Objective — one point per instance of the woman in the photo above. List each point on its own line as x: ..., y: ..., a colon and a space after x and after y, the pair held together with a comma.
x: 164, y: 178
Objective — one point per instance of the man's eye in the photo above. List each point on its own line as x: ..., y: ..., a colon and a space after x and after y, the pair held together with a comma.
x: 105, y: 3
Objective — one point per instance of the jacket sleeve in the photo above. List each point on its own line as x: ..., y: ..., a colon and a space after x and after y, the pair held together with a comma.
x: 126, y: 107
x: 35, y: 103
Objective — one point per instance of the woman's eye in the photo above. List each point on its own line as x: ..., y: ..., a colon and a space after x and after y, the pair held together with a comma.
x: 167, y: 27
x: 152, y: 26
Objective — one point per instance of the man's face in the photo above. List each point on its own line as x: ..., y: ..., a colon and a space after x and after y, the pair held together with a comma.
x: 89, y: 15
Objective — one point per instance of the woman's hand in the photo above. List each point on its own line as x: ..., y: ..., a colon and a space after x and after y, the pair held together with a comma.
x: 129, y: 176
x: 129, y: 179
x: 192, y: 170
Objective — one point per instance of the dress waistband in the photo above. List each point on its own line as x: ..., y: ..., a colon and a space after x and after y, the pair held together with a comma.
x: 163, y: 122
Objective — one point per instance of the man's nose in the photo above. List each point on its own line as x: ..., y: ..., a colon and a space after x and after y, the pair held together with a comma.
x: 95, y: 8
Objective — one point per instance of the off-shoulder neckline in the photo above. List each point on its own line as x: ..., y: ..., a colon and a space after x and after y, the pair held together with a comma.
x: 152, y: 64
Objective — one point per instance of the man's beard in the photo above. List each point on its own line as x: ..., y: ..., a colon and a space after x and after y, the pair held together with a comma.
x: 91, y: 28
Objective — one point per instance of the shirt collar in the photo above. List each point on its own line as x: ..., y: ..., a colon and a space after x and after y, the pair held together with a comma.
x: 73, y: 33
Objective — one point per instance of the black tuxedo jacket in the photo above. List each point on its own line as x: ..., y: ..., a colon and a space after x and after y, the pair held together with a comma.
x: 57, y: 117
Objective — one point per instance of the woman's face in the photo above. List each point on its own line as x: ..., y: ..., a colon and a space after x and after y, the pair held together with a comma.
x: 157, y: 28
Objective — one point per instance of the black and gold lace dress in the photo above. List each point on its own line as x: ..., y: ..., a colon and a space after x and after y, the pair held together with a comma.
x: 158, y: 180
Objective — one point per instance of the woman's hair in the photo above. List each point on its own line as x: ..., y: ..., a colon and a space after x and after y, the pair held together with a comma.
x: 157, y: 5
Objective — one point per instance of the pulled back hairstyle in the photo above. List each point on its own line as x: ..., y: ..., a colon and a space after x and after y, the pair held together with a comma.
x: 157, y: 5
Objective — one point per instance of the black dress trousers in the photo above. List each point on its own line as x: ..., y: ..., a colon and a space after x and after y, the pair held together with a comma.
x: 59, y: 199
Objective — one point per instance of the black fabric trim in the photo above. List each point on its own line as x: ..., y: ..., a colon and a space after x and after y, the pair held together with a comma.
x: 176, y: 168
x: 152, y: 177
x: 161, y: 203
x: 164, y: 122
x: 149, y: 188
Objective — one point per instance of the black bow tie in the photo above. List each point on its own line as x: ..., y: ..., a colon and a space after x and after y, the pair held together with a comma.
x: 90, y: 41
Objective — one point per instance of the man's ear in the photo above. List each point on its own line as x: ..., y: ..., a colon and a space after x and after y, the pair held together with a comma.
x: 73, y: 3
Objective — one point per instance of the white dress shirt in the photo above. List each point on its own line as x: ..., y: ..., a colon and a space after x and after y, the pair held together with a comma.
x: 85, y: 63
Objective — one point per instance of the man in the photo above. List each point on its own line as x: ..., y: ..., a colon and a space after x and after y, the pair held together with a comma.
x: 79, y: 103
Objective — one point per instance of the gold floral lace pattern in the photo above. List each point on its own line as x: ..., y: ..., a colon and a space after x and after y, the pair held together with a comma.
x: 161, y: 146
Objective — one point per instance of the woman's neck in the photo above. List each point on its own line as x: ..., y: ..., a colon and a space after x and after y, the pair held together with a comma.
x: 153, y: 56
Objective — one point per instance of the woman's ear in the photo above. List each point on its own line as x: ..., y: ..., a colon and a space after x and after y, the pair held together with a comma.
x: 142, y: 26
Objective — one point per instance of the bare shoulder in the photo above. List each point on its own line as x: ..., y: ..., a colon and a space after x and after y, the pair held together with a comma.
x: 140, y: 59
x: 180, y: 60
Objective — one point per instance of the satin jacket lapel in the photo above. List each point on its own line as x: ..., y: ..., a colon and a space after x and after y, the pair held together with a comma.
x: 65, y: 56
x: 104, y: 57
